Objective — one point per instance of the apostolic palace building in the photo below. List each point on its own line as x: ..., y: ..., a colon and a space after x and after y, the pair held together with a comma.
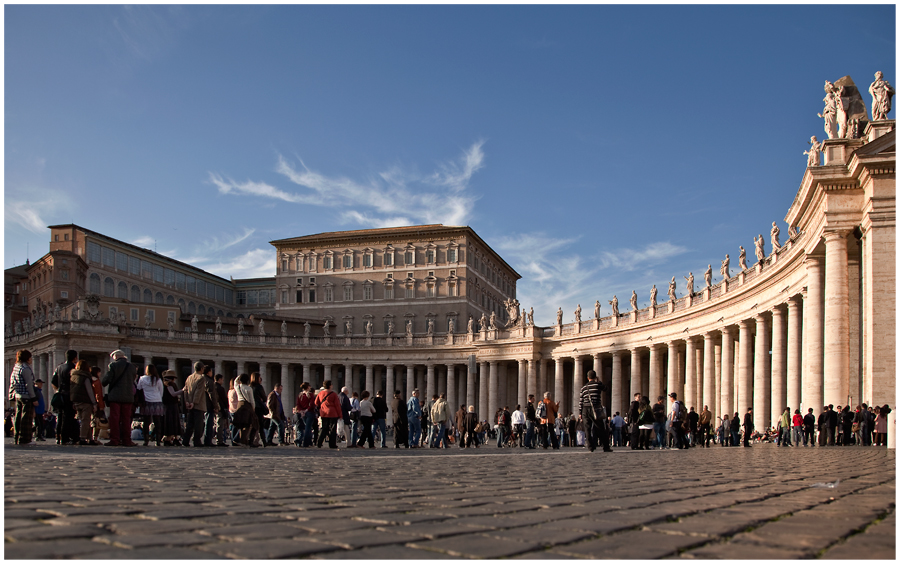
x: 809, y: 320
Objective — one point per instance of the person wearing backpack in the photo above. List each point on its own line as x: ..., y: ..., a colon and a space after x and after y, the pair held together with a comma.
x: 677, y: 419
x: 548, y: 421
x: 23, y: 393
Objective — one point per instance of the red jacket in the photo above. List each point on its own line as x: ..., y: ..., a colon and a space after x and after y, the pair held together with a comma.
x: 328, y: 403
x: 797, y: 420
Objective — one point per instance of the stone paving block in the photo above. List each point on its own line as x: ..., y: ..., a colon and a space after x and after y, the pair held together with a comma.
x: 26, y: 514
x: 546, y: 536
x: 596, y: 526
x: 717, y: 523
x: 264, y: 549
x: 252, y: 531
x: 9, y: 524
x: 147, y: 553
x: 631, y: 544
x: 140, y: 541
x: 544, y: 555
x: 878, y: 542
x: 142, y: 526
x: 743, y: 551
x: 476, y: 546
x: 49, y: 549
x: 332, y: 525
x: 400, y: 518
x: 434, y: 530
x: 49, y: 532
x: 361, y: 538
x: 384, y: 553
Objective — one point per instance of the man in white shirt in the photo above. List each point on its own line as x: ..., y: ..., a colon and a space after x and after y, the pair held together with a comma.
x: 518, y: 423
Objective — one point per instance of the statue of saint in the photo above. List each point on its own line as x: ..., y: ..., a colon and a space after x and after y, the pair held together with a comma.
x: 262, y: 327
x: 218, y: 325
x: 284, y: 328
x: 559, y: 316
x: 597, y: 309
x: 75, y: 312
x: 815, y: 148
x: 307, y: 328
x: 450, y: 325
x: 760, y: 249
x: 390, y: 330
x: 348, y: 328
x: 240, y: 325
x: 56, y: 313
x: 325, y: 332
x: 147, y: 320
x: 633, y: 300
x: 470, y: 329
x: 429, y: 328
x: 171, y: 324
x: 493, y: 320
x: 776, y: 245
x: 26, y: 325
x: 830, y: 111
x: 690, y: 283
x: 707, y: 276
x: 615, y: 306
x: 671, y: 291
x: 531, y: 316
x: 792, y: 232
x: 742, y: 259
x: 409, y: 328
x: 653, y: 296
x: 578, y: 314
x: 368, y: 328
x: 881, y: 92
x: 17, y: 327
x: 482, y: 324
x: 194, y: 321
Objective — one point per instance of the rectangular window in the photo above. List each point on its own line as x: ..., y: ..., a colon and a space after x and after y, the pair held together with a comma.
x: 389, y: 259
x: 220, y: 294
x: 146, y: 269
x: 201, y: 288
x: 389, y: 292
x: 452, y: 290
x: 109, y: 256
x: 429, y: 291
x: 367, y: 292
x: 134, y: 314
x: 313, y: 263
x: 410, y: 257
x: 348, y: 261
x: 284, y: 265
x: 263, y: 297
x: 327, y: 263
x: 451, y: 255
x: 134, y: 266
x: 64, y: 294
x: 409, y: 275
x: 431, y: 274
x: 242, y: 297
x: 300, y: 281
x: 348, y: 293
x: 64, y: 274
x: 312, y: 296
x: 252, y: 297
x: 367, y: 260
x: 312, y: 280
x: 121, y: 261
x: 229, y: 296
x: 284, y: 296
x: 429, y: 256
x: 157, y: 273
x: 152, y: 314
x: 93, y: 252
x: 210, y: 291
x: 179, y: 281
x: 329, y: 295
x: 299, y: 296
x: 66, y: 237
x: 410, y: 292
x: 169, y: 276
x: 191, y: 284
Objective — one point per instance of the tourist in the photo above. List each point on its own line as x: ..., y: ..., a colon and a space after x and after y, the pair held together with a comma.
x: 427, y: 428
x: 676, y: 420
x: 723, y: 431
x: 518, y: 423
x: 470, y: 428
x: 881, y: 422
x: 618, y: 425
x: 366, y: 417
x: 460, y: 424
x: 259, y: 401
x: 119, y: 380
x: 785, y: 421
x: 847, y: 426
x: 822, y: 425
x: 704, y: 421
x: 233, y: 405
x: 530, y: 423
x: 548, y: 433
x: 67, y: 430
x: 306, y: 409
x: 571, y: 424
x: 381, y: 410
x: 796, y: 427
x: 245, y: 417
x: 81, y: 394
x: 645, y: 423
x: 591, y: 411
x: 809, y: 428
x: 330, y: 411
x: 414, y: 415
x: 222, y: 416
x: 400, y: 420
x: 748, y: 426
x: 153, y: 410
x: 344, y: 422
x: 831, y: 424
x: 354, y: 419
x: 276, y: 416
x: 440, y: 418
x: 172, y: 430
x: 634, y: 411
x: 195, y: 396
x: 659, y: 421
x: 694, y: 427
x: 861, y: 422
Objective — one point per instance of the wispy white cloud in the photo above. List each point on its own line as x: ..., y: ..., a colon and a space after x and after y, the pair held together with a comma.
x: 34, y: 207
x: 254, y: 263
x: 145, y: 241
x: 395, y: 196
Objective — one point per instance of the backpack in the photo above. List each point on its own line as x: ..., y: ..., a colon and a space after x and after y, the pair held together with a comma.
x: 681, y: 414
x: 540, y: 411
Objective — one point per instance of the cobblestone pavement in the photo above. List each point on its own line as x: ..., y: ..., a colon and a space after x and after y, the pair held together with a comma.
x: 284, y: 502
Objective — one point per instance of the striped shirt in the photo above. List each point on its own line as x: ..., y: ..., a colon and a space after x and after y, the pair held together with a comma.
x: 590, y: 396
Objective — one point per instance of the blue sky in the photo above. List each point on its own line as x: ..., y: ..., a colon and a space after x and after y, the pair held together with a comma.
x: 598, y: 149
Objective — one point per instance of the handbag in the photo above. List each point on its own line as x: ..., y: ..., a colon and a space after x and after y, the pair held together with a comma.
x: 57, y: 403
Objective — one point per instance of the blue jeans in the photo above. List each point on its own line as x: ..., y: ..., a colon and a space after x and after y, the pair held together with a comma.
x: 795, y: 435
x: 660, y: 430
x: 415, y: 431
x: 309, y: 419
x: 735, y: 438
x: 354, y: 431
x: 273, y: 427
x: 529, y: 434
x: 379, y: 424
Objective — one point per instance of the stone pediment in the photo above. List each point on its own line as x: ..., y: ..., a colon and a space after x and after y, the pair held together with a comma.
x: 886, y: 144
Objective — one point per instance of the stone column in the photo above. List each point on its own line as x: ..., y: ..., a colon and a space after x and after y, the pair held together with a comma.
x: 761, y: 383
x: 635, y: 374
x: 690, y: 373
x: 493, y: 392
x: 217, y: 365
x: 265, y: 376
x: 656, y: 384
x: 618, y: 384
x: 559, y: 383
x: 532, y: 377
x: 542, y: 379
x: 370, y: 378
x: 718, y: 379
x: 813, y: 335
x: 672, y: 371
x: 470, y: 386
x: 836, y: 368
x: 390, y: 386
x: 879, y: 297
x: 525, y: 383
x: 698, y: 383
x: 429, y: 382
x: 452, y: 398
x: 410, y: 380
x: 779, y: 367
x: 577, y: 383
x: 377, y: 379
x: 727, y: 386
x: 484, y: 381
x: 709, y: 375
x: 745, y: 370
x: 304, y: 376
x: 794, y: 359
x: 461, y: 381
x: 502, y: 385
x: 598, y: 370
x: 422, y: 383
x: 288, y: 394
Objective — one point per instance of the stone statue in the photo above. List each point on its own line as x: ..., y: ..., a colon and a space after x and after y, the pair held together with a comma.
x: 348, y: 327
x: 450, y: 325
x: 283, y: 328
x: 17, y: 328
x: 493, y: 321
x: 653, y: 296
x: 26, y: 325
x: 368, y: 328
x: 578, y: 314
x: 122, y: 318
x: 559, y: 316
x: 851, y: 109
x: 615, y: 306
x: 194, y: 322
x: 307, y: 328
x: 815, y: 148
x: 776, y: 245
x: 633, y: 300
x: 597, y: 309
x: 409, y: 328
x: 170, y: 323
x: 218, y: 325
x: 482, y: 324
x: 671, y: 291
x: 471, y: 326
x: 262, y: 327
x: 390, y: 330
x: 429, y: 327
x: 792, y: 232
x: 742, y: 259
x: 690, y: 283
x: 7, y: 329
x: 881, y: 92
x: 512, y: 311
x: 760, y: 248
x: 56, y: 313
x: 707, y: 276
x: 830, y: 112
x: 531, y: 316
x: 75, y: 311
x: 325, y: 332
x: 240, y: 325
x: 147, y: 320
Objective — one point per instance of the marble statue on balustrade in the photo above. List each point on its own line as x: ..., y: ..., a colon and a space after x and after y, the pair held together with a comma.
x: 325, y: 332
x: 283, y: 328
x: 147, y: 320
x: 429, y: 327
x: 368, y: 328
x: 56, y: 313
x: 75, y: 312
x: 653, y: 291
x: 218, y: 325
x: 240, y: 326
x: 262, y: 327
x: 522, y: 321
x: 559, y: 316
x: 194, y: 322
x: 633, y: 300
x: 409, y: 332
x: 814, y: 157
x: 470, y: 327
x: 390, y: 329
x: 512, y: 311
x: 122, y: 318
x: 760, y: 247
x: 578, y: 314
x: 493, y: 320
x: 26, y: 325
x: 170, y: 323
x: 531, y: 316
x: 482, y: 323
x: 451, y: 325
x: 348, y: 327
x: 851, y: 109
x: 690, y: 283
x: 830, y: 112
x: 597, y: 309
x: 776, y: 244
x: 615, y: 306
x: 742, y: 259
x: 881, y: 92
x: 671, y: 292
x: 707, y: 276
x: 307, y: 329
x: 792, y: 232
x: 17, y: 328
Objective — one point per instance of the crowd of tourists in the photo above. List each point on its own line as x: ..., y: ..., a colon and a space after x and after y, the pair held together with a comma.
x: 152, y: 408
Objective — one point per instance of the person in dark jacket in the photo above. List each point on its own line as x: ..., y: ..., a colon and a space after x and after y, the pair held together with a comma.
x: 809, y: 428
x: 67, y: 431
x: 736, y: 429
x: 222, y: 416
x: 469, y: 427
x: 81, y: 393
x: 400, y: 420
x: 823, y: 426
x: 748, y: 426
x: 831, y: 423
x: 259, y: 399
x: 847, y: 424
x: 459, y: 420
x: 381, y: 410
x: 530, y: 423
x: 633, y: 414
x: 119, y: 380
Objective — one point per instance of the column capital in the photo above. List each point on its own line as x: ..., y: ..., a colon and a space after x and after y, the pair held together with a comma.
x: 709, y: 335
x: 813, y: 261
x: 617, y: 353
x: 835, y: 234
x: 794, y: 303
x: 760, y: 317
x: 777, y: 311
x: 744, y: 323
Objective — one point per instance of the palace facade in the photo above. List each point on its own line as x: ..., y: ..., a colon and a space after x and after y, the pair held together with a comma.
x: 811, y: 323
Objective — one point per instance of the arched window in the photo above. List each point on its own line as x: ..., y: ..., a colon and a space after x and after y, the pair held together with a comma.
x: 221, y: 312
x: 95, y: 283
x: 109, y: 287
x: 170, y: 300
x: 192, y: 308
x: 123, y: 290
x: 148, y: 296
x: 135, y: 294
x: 202, y: 310
x: 159, y: 298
